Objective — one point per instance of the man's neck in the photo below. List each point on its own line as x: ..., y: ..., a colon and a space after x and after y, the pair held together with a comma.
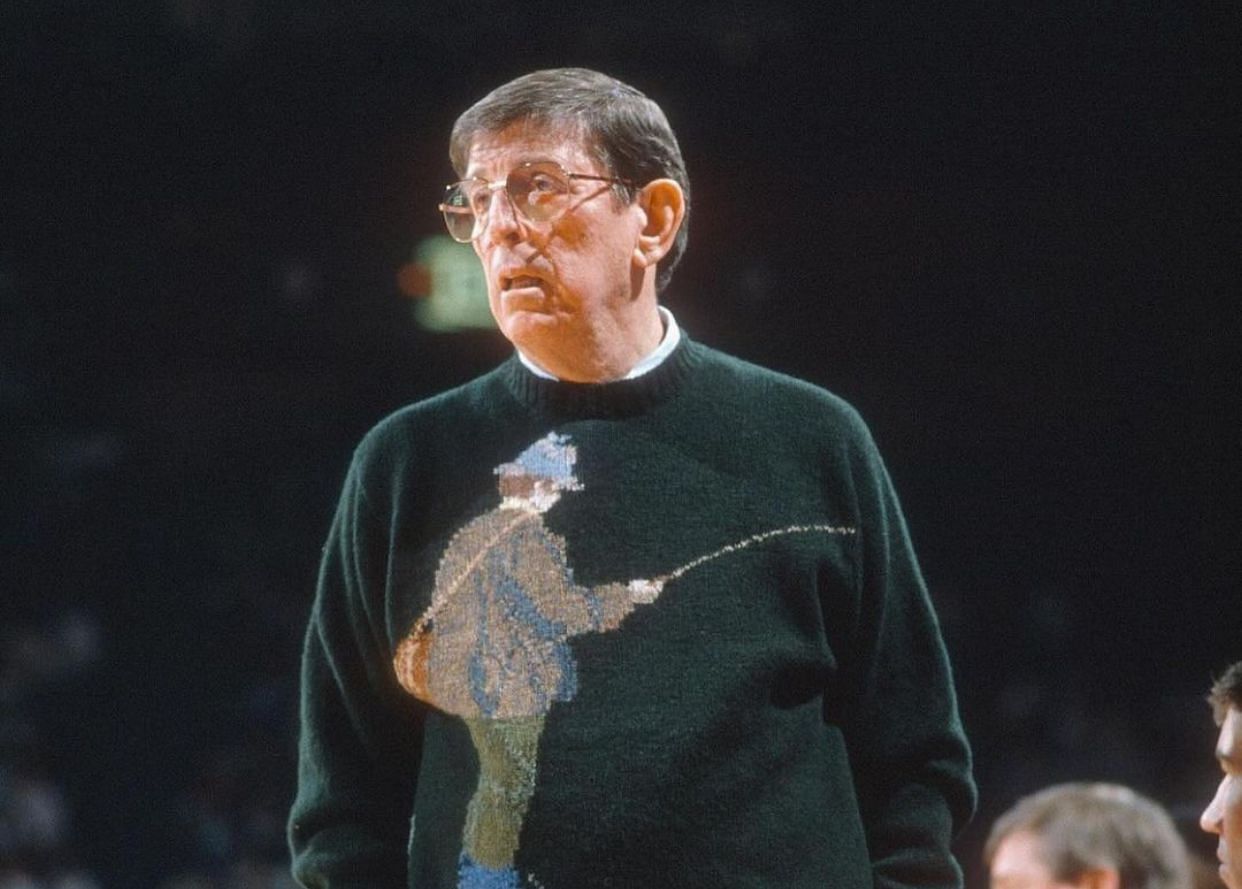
x: 668, y: 335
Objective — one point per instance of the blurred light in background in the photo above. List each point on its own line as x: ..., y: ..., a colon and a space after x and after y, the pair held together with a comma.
x: 446, y: 282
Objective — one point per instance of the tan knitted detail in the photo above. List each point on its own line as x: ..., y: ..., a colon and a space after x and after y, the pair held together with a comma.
x: 504, y: 609
x: 508, y: 750
x: 752, y: 540
x: 414, y: 651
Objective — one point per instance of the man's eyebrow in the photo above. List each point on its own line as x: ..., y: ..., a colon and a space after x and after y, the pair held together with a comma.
x: 527, y: 159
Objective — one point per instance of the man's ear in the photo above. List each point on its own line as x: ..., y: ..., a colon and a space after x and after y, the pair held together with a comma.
x: 663, y: 205
x: 1099, y: 878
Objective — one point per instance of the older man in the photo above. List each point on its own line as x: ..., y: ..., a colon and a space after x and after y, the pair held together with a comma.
x: 486, y: 704
x: 1223, y: 816
x: 1086, y: 836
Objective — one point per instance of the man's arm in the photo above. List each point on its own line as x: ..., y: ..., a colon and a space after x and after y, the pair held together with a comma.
x: 360, y: 738
x: 910, y: 757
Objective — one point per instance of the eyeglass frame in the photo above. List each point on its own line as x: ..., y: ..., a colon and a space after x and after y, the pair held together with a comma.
x: 480, y: 222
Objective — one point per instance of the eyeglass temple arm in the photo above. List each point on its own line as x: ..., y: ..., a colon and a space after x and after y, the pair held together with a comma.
x: 598, y: 178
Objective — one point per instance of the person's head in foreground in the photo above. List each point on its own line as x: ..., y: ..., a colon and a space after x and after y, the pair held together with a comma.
x: 1087, y: 836
x: 1223, y: 816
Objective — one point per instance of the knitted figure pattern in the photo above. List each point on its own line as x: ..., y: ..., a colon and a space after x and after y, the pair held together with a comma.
x: 493, y: 647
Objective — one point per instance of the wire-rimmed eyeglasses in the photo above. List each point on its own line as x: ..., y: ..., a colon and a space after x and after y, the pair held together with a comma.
x: 538, y: 191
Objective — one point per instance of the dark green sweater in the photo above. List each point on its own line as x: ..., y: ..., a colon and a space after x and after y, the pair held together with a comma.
x: 780, y: 714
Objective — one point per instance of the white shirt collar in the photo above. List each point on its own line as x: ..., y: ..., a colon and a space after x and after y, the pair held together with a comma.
x: 672, y: 336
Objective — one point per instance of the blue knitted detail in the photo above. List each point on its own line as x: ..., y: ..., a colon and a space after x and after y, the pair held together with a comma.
x: 476, y: 876
x: 493, y: 653
x: 551, y: 458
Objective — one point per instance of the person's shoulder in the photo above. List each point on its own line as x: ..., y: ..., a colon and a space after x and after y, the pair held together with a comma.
x: 762, y: 391
x: 399, y: 436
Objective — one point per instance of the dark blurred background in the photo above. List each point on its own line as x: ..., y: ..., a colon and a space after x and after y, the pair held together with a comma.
x: 1007, y: 233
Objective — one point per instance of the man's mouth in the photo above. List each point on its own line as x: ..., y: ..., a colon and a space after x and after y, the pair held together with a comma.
x: 520, y: 282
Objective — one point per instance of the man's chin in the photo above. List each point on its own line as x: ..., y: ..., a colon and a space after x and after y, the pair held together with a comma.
x: 529, y: 328
x: 522, y: 300
x: 1229, y: 878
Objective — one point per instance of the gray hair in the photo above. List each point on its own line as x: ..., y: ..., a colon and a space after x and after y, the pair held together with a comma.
x: 1084, y: 826
x: 622, y: 128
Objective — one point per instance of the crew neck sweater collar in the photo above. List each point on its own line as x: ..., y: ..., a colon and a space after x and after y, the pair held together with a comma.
x: 617, y: 398
x: 672, y: 336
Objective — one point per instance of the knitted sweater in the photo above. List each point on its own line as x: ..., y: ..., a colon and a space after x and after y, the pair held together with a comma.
x: 693, y: 649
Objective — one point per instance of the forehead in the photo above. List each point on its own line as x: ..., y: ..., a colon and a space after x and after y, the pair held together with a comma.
x: 1019, y: 853
x: 1230, y: 744
x: 494, y: 153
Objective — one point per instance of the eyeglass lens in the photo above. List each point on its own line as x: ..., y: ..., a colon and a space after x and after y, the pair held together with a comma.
x: 537, y: 191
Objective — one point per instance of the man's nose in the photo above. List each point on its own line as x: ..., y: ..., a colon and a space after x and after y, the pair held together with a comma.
x: 502, y: 220
x: 1211, y: 817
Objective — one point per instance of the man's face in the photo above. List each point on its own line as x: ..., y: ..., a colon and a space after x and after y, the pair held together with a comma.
x: 1223, y: 816
x: 563, y: 290
x: 1019, y: 864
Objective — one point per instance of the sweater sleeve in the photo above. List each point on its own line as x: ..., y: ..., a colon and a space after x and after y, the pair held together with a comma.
x: 360, y: 734
x: 910, y: 756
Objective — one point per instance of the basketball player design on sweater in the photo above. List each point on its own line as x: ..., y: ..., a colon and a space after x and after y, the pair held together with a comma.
x: 493, y: 647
